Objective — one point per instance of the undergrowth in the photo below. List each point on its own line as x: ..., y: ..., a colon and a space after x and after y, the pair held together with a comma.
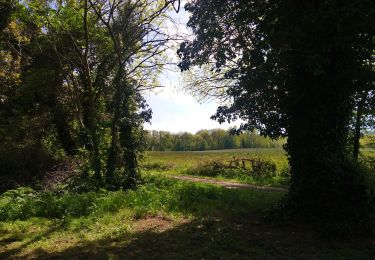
x: 157, y: 195
x: 262, y: 175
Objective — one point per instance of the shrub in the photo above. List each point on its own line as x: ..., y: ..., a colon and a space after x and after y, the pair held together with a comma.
x: 23, y: 203
x: 158, y: 165
x: 260, y: 168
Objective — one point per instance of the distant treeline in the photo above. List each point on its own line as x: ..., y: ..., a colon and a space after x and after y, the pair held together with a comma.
x: 215, y: 139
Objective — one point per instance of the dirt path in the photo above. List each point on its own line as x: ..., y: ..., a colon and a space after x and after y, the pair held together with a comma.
x: 227, y: 184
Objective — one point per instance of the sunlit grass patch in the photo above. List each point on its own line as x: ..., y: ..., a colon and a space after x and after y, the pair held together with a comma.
x: 113, y: 215
x: 199, y: 164
x: 164, y: 218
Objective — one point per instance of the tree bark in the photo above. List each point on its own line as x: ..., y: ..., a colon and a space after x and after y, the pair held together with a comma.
x: 91, y: 110
x: 116, y: 107
x: 127, y: 142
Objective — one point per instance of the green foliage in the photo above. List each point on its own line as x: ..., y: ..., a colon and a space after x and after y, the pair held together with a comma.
x: 264, y: 169
x: 203, y: 140
x: 158, y: 195
x: 25, y: 203
x: 368, y: 141
x: 367, y: 166
x: 71, y: 82
x: 297, y: 66
x: 21, y: 164
x: 211, y: 222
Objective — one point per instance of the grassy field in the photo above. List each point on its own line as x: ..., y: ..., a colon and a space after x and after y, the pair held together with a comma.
x: 187, y: 159
x: 164, y: 219
x: 195, y: 163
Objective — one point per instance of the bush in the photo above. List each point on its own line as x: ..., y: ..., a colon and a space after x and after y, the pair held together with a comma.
x: 158, y: 165
x: 158, y: 195
x: 261, y: 169
x: 23, y: 203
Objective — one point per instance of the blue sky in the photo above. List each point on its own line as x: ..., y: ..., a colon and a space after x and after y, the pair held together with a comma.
x: 174, y: 110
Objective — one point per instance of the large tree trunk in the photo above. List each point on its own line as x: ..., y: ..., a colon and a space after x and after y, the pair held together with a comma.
x: 324, y: 184
x: 130, y: 156
x: 91, y: 126
x: 117, y: 106
x: 91, y: 111
x: 60, y: 116
x: 128, y: 143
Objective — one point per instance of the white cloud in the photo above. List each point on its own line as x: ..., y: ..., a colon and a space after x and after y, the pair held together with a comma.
x: 177, y: 112
x: 174, y: 110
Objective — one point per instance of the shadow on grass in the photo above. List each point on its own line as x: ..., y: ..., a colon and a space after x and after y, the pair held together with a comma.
x: 227, y: 224
x: 214, y: 239
x: 201, y: 201
x: 14, y: 251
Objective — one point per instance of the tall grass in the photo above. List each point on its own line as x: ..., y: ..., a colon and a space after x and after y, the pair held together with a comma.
x: 200, y: 164
x: 157, y: 195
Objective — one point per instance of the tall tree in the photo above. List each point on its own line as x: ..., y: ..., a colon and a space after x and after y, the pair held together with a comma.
x: 80, y: 68
x: 298, y: 65
x: 138, y: 42
x: 23, y: 116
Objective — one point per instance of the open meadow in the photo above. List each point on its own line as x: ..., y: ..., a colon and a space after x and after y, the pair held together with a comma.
x: 216, y: 164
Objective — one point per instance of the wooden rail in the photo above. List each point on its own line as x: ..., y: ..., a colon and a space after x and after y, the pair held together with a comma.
x: 252, y: 165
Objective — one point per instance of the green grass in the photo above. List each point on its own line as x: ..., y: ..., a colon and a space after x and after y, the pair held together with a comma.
x: 157, y: 195
x: 69, y: 220
x: 164, y: 219
x: 185, y: 160
x: 194, y: 163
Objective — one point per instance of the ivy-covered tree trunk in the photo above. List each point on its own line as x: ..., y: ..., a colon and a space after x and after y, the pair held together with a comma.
x: 116, y: 106
x: 297, y: 67
x: 325, y: 184
x: 90, y: 122
x: 129, y: 144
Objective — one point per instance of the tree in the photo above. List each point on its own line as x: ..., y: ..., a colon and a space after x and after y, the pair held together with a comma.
x: 137, y: 41
x: 78, y: 69
x: 24, y: 114
x: 298, y: 65
x: 184, y: 142
x: 123, y: 43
